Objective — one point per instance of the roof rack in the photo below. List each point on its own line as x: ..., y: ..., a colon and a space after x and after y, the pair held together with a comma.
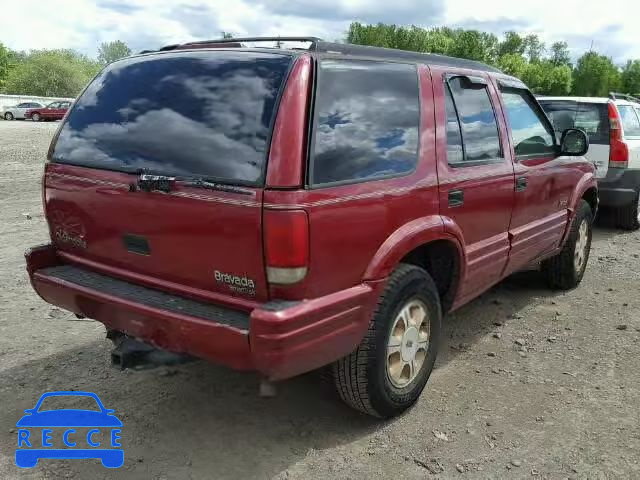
x: 623, y: 96
x: 320, y: 46
x: 236, y: 42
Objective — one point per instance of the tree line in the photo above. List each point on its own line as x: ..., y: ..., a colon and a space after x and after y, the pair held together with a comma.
x: 546, y: 70
x: 53, y: 73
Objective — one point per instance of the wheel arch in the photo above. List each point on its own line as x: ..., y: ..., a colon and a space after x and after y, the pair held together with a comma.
x: 590, y: 195
x: 587, y: 189
x: 426, y: 242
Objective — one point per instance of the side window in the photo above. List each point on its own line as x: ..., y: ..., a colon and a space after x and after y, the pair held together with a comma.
x: 23, y: 105
x: 480, y: 140
x: 65, y: 104
x: 455, y: 155
x: 367, y: 121
x: 630, y: 122
x: 53, y: 105
x: 531, y: 136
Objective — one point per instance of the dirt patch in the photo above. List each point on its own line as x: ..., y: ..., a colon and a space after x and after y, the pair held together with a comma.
x: 529, y: 383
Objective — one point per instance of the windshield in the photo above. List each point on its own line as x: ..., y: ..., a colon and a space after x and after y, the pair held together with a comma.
x: 189, y: 114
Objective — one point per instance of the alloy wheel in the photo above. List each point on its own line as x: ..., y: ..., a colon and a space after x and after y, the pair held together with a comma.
x: 408, y: 343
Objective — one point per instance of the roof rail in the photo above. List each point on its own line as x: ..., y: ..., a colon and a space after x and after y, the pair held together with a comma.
x: 623, y: 96
x: 236, y: 41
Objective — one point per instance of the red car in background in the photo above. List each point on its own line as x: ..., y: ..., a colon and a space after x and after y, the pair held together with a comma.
x: 53, y: 111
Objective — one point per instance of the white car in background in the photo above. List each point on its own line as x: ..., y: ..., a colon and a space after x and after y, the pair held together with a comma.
x: 613, y: 127
x: 17, y: 112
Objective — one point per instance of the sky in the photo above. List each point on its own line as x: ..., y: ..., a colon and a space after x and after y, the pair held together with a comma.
x: 149, y: 24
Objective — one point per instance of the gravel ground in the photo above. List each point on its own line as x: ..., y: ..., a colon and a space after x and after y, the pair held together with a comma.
x: 529, y: 384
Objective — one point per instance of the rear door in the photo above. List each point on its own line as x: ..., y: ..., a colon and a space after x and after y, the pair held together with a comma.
x: 631, y: 132
x: 202, y: 117
x: 21, y: 109
x: 475, y: 172
x: 541, y: 191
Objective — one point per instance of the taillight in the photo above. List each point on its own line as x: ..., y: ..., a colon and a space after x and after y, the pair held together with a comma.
x: 286, y: 243
x: 619, y: 151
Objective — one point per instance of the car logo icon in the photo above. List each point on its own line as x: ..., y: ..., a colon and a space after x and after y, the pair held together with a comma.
x: 36, y: 428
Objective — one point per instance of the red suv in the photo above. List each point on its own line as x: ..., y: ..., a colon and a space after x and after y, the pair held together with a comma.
x: 53, y: 111
x: 280, y: 210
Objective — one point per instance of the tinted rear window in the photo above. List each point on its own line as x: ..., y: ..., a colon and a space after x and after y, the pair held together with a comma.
x: 592, y: 118
x: 189, y: 114
x: 368, y: 116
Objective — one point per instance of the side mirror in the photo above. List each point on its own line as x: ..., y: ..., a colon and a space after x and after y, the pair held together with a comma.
x: 574, y: 142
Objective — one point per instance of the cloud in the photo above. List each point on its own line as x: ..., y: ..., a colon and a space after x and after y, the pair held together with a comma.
x: 497, y: 25
x: 118, y: 6
x: 373, y: 11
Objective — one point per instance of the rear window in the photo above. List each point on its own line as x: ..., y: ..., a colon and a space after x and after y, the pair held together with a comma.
x: 189, y: 114
x: 367, y: 119
x: 591, y: 118
x: 630, y: 122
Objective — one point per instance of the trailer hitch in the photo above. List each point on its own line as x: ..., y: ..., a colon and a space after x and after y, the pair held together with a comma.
x: 132, y: 353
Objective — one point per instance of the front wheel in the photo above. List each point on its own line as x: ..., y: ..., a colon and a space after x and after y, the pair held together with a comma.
x: 36, y: 117
x: 566, y: 269
x: 8, y: 116
x: 386, y: 374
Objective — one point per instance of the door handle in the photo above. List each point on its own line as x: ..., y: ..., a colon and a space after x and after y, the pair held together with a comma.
x: 456, y: 198
x: 521, y: 184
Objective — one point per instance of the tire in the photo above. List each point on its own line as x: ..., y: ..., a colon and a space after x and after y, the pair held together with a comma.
x: 566, y: 269
x: 628, y: 218
x: 8, y: 116
x: 36, y: 117
x: 364, y: 379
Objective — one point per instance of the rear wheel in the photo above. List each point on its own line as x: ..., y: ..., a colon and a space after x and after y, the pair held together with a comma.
x: 8, y: 116
x: 566, y: 269
x: 391, y: 366
x: 629, y: 217
x: 36, y: 117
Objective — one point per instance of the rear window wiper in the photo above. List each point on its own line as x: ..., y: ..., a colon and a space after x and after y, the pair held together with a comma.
x: 213, y: 185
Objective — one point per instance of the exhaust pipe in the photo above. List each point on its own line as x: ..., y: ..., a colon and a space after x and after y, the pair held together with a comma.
x: 131, y: 353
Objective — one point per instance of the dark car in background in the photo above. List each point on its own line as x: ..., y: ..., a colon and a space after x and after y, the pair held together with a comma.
x: 53, y: 111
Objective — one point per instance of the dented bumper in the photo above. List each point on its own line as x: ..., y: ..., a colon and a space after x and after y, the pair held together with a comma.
x: 277, y: 339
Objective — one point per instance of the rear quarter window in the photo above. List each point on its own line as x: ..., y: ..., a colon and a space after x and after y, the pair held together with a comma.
x: 367, y: 119
x: 205, y: 114
x: 630, y: 121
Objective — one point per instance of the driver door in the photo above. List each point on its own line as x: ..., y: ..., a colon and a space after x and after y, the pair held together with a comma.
x: 540, y: 211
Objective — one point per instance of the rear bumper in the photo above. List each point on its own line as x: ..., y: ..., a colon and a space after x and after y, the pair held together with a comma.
x: 619, y: 188
x: 277, y: 340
